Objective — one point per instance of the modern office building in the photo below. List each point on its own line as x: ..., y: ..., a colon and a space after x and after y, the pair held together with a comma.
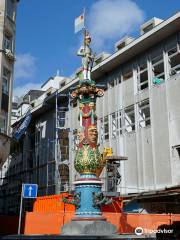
x: 138, y: 117
x: 7, y: 58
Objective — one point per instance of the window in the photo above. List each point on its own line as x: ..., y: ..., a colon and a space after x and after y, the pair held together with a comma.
x: 106, y: 128
x: 114, y: 124
x: 127, y: 72
x: 158, y: 65
x: 178, y: 151
x: 148, y: 28
x: 174, y: 57
x: 61, y: 118
x: 51, y: 173
x: 62, y: 84
x: 6, y: 80
x: 119, y: 122
x: 129, y: 118
x: 101, y: 130
x: 14, y: 113
x: 7, y: 42
x: 142, y: 75
x: 119, y: 79
x: 10, y: 9
x: 111, y: 84
x: 37, y: 136
x: 144, y: 113
x: 3, y: 121
x: 74, y: 140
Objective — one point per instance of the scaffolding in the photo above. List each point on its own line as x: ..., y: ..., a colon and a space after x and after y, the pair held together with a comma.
x: 61, y: 143
x: 34, y: 159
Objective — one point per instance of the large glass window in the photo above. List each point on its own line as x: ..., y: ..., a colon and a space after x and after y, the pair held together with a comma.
x: 6, y: 80
x: 129, y: 119
x: 144, y: 113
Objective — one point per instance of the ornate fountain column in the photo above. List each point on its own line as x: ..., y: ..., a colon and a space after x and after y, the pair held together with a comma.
x: 88, y: 162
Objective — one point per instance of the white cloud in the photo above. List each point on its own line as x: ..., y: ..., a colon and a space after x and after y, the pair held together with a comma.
x: 22, y: 90
x: 109, y: 20
x: 24, y: 66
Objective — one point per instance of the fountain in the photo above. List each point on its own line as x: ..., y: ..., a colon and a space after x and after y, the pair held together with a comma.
x: 89, y: 162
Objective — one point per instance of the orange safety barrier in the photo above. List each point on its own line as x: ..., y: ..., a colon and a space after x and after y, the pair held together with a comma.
x: 129, y: 222
x: 52, y: 203
x: 43, y: 222
x: 51, y: 213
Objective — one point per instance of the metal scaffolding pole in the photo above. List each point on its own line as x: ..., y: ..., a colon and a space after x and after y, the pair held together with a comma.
x: 57, y: 175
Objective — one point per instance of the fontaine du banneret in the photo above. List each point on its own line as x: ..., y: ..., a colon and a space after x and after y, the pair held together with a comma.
x: 89, y: 162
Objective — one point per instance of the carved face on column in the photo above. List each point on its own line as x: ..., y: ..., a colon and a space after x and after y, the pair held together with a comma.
x: 80, y: 135
x: 92, y: 134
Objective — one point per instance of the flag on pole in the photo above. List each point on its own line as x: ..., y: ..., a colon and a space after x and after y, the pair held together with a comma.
x: 79, y: 23
x: 22, y: 128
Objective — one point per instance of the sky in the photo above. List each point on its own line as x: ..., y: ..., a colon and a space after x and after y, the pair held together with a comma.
x: 46, y: 42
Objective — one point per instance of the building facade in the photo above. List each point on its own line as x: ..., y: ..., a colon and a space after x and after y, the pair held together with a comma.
x: 7, y: 57
x: 138, y: 118
x: 35, y: 157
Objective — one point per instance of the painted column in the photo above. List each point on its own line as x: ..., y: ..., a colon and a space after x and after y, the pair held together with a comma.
x: 88, y: 160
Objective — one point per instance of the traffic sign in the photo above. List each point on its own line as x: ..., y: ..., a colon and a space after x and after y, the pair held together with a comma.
x: 30, y: 190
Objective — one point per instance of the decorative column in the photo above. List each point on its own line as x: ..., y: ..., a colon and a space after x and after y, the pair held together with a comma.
x: 89, y: 162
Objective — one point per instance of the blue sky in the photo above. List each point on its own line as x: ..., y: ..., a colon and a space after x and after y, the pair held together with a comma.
x: 45, y: 39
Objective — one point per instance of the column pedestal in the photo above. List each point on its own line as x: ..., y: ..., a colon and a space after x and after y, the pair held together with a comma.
x: 88, y: 217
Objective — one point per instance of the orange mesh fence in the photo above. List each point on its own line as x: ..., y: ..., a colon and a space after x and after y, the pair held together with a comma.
x: 51, y: 213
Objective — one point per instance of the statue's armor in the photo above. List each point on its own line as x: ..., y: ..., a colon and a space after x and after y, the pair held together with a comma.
x: 87, y: 60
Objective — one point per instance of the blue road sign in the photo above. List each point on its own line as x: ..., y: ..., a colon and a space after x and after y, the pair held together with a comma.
x: 30, y: 190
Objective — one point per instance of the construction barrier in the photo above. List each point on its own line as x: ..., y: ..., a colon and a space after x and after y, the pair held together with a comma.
x: 53, y: 203
x: 51, y: 213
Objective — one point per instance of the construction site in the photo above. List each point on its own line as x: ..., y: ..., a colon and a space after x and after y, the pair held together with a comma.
x: 138, y: 124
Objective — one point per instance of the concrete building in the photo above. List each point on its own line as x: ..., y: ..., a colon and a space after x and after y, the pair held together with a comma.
x: 138, y: 117
x: 7, y: 48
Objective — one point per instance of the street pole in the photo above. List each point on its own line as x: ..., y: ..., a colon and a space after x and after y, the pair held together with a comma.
x: 20, y: 211
x: 47, y: 168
